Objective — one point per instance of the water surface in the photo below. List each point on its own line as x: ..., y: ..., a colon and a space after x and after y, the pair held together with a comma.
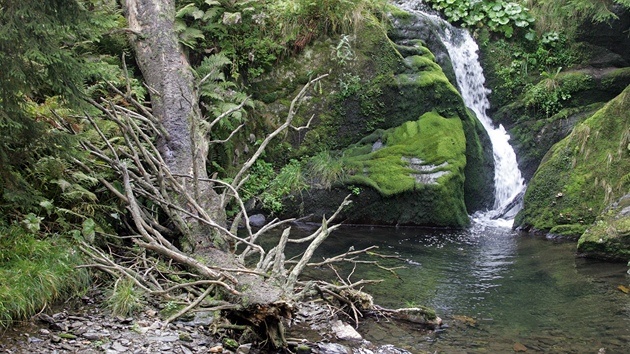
x: 494, y: 289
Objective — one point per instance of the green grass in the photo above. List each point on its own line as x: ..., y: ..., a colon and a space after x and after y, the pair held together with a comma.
x: 124, y: 298
x: 34, y: 273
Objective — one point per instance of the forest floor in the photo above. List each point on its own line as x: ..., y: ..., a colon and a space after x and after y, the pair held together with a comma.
x: 84, y: 326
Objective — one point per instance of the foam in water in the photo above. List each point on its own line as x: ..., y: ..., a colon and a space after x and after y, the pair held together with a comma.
x: 509, y: 184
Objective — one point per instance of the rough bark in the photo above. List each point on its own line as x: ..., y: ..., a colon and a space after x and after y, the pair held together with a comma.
x: 174, y: 101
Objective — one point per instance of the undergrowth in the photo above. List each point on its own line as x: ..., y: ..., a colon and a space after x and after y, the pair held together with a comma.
x: 34, y: 273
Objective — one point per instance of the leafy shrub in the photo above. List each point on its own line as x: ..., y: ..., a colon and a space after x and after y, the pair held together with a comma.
x: 254, y: 35
x: 269, y: 187
x: 551, y: 93
x: 499, y: 16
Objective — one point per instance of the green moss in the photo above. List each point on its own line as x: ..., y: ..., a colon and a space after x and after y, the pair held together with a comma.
x: 609, y: 236
x: 570, y: 230
x: 433, y: 139
x: 433, y: 146
x: 583, y: 173
x: 398, y: 13
x: 616, y: 80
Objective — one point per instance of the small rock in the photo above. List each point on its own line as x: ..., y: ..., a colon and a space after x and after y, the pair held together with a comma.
x: 344, y: 331
x: 216, y: 349
x: 46, y: 318
x: 164, y: 339
x: 257, y: 220
x: 93, y: 335
x: 60, y: 316
x: 55, y: 339
x: 44, y: 332
x: 35, y: 340
x: 76, y: 324
x: 119, y: 347
x: 244, y: 349
x: 166, y: 347
x: 333, y: 348
x: 518, y: 347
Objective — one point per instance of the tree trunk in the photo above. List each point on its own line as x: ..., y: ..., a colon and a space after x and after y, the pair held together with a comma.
x: 175, y: 103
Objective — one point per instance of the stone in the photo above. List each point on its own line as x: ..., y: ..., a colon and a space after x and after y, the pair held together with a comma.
x: 518, y: 347
x: 244, y: 349
x: 94, y: 335
x: 344, y: 331
x: 117, y: 346
x: 164, y: 338
x: 333, y: 348
x: 257, y: 220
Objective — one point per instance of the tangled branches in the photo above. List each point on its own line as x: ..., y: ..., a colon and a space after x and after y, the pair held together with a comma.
x: 179, y: 237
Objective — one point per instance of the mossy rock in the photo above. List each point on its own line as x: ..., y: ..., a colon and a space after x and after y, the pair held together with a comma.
x: 409, y: 175
x: 609, y: 236
x: 380, y: 94
x: 583, y: 173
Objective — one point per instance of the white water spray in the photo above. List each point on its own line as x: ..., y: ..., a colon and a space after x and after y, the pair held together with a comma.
x: 509, y: 184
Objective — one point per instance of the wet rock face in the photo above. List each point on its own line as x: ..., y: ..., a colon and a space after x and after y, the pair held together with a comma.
x: 392, y: 80
x: 612, y: 37
x: 579, y: 178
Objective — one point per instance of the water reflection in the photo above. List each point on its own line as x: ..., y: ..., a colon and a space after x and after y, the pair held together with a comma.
x: 495, y: 289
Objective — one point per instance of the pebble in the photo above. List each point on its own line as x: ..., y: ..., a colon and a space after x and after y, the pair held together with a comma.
x: 119, y: 347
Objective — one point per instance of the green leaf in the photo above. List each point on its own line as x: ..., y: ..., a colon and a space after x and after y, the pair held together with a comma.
x: 186, y: 10
x: 197, y: 14
x: 530, y: 36
x: 521, y: 23
x: 88, y: 231
x: 47, y: 205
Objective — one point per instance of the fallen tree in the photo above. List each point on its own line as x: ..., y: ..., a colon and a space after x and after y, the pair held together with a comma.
x: 178, y: 238
x: 259, y: 286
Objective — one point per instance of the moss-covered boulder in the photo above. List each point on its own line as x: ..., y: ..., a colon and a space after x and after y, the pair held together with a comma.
x: 609, y: 236
x: 394, y: 91
x: 425, y: 158
x: 582, y: 174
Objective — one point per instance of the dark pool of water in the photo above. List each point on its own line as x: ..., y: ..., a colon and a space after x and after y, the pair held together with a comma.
x: 494, y: 289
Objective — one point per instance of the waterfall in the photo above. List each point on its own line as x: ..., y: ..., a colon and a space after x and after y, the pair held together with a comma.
x: 462, y: 49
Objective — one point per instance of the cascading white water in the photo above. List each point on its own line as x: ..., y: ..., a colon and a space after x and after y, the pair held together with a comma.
x: 509, y: 184
x: 462, y: 49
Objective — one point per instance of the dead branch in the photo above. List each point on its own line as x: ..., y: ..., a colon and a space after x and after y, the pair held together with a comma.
x: 236, y: 183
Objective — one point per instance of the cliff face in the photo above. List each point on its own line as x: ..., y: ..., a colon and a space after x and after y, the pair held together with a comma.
x: 411, y: 151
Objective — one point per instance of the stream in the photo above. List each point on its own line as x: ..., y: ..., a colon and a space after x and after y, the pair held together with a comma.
x: 495, y: 289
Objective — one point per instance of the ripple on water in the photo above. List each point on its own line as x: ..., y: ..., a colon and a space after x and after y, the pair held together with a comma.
x: 512, y: 288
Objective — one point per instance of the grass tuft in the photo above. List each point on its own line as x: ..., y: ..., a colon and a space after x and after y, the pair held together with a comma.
x: 124, y: 299
x: 35, y: 273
